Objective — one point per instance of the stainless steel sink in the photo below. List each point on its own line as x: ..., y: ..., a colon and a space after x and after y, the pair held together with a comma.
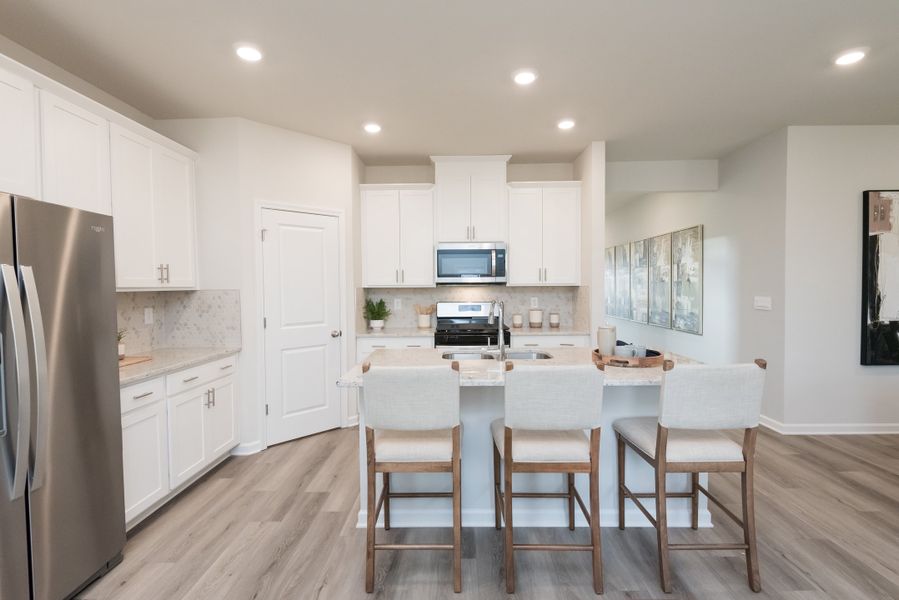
x: 468, y: 356
x: 528, y: 355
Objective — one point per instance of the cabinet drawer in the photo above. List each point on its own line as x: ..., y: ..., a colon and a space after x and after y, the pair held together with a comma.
x: 142, y: 394
x: 550, y: 341
x: 365, y: 346
x: 199, y: 375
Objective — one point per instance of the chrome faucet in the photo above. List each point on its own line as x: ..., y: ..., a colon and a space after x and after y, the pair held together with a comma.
x: 496, y: 310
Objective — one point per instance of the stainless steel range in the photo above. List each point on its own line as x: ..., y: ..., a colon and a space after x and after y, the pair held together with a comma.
x: 467, y: 324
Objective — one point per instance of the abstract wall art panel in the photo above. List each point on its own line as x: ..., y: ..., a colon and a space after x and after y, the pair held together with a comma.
x: 880, y: 278
x: 686, y: 279
x: 639, y: 281
x: 660, y: 280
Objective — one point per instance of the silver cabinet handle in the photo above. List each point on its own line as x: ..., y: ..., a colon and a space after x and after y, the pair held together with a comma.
x: 532, y: 344
x: 41, y: 377
x: 402, y: 275
x: 413, y: 345
x: 377, y: 346
x: 539, y: 274
x: 226, y: 367
x: 161, y: 278
x: 396, y: 275
x: 545, y: 276
x: 209, y: 398
x: 167, y: 280
x: 336, y: 333
x: 142, y: 396
x: 213, y: 397
x: 564, y: 344
x: 468, y: 232
x: 23, y: 381
x: 189, y: 379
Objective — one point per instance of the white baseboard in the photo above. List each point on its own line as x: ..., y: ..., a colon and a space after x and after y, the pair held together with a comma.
x: 248, y: 448
x: 351, y: 421
x: 528, y: 518
x: 829, y: 428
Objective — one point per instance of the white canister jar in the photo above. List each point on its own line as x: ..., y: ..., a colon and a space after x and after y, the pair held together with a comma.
x: 606, y: 337
x: 535, y: 317
x: 517, y: 320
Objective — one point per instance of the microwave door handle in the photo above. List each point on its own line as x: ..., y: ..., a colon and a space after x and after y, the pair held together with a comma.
x: 493, y: 263
x: 39, y: 343
x: 23, y: 380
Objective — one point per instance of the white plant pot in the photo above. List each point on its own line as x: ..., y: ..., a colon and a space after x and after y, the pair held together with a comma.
x: 376, y: 324
x: 424, y: 321
x: 121, y: 351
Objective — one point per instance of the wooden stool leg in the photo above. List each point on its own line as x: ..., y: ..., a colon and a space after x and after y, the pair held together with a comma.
x: 748, y: 489
x: 594, y: 512
x: 370, y: 527
x: 457, y: 512
x: 507, y: 501
x: 570, y: 501
x: 662, y: 509
x: 496, y: 480
x: 386, y: 477
x: 694, y: 501
x: 620, y: 482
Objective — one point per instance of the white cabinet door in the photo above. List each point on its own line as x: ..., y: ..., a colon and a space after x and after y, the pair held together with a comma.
x: 173, y: 204
x: 221, y: 419
x: 187, y: 434
x: 416, y: 238
x: 380, y: 238
x: 561, y: 236
x: 132, y: 210
x: 75, y: 153
x: 525, y: 237
x: 488, y: 202
x: 18, y: 136
x: 454, y: 208
x: 145, y: 458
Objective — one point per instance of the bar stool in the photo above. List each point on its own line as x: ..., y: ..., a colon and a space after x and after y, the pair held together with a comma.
x: 547, y: 410
x: 412, y: 426
x: 697, y: 401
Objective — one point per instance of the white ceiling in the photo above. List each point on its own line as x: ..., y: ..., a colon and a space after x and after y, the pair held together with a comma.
x: 658, y: 79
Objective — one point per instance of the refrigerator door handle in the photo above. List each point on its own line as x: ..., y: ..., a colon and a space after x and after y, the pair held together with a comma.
x: 23, y: 379
x: 39, y: 343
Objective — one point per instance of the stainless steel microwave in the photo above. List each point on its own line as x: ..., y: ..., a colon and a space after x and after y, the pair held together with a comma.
x: 471, y: 262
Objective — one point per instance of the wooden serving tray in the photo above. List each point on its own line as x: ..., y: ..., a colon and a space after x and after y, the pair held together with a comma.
x: 132, y: 360
x: 653, y: 358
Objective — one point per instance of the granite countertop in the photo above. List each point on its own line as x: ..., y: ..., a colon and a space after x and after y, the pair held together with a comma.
x: 491, y: 373
x: 168, y: 360
x: 389, y: 332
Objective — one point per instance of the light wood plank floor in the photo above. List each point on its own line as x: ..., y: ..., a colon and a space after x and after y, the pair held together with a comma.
x: 281, y: 524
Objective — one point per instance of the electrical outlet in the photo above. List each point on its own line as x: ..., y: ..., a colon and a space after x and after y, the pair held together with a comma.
x: 761, y: 302
x: 148, y: 315
x: 397, y: 304
x: 534, y: 301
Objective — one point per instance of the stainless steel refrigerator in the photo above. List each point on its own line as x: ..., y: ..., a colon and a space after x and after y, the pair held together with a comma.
x: 62, y: 514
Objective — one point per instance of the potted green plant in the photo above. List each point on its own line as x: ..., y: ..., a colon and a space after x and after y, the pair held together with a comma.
x: 376, y: 313
x: 120, y: 337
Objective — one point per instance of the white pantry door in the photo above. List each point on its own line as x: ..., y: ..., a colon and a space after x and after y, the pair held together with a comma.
x: 302, y: 314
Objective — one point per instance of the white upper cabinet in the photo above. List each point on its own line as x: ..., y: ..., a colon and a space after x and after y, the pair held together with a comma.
x: 18, y: 132
x: 153, y: 211
x: 397, y: 236
x: 545, y: 234
x: 471, y: 198
x: 75, y: 156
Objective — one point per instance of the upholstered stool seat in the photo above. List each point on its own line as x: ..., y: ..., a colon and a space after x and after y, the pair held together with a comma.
x: 684, y: 445
x: 400, y: 445
x: 529, y: 445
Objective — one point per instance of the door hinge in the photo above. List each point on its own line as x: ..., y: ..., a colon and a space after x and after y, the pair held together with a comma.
x: 266, y: 410
x: 262, y: 234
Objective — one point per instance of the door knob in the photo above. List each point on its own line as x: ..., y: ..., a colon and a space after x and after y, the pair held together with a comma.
x: 336, y: 333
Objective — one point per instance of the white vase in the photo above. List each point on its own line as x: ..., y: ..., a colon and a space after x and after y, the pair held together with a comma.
x: 376, y: 324
x: 424, y: 321
x: 121, y: 351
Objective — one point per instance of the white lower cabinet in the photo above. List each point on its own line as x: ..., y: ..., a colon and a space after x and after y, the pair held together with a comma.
x: 146, y: 457
x: 367, y: 345
x: 175, y: 428
x: 550, y: 341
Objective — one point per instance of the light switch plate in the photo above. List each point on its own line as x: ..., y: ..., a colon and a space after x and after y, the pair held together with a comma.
x: 148, y: 315
x: 534, y: 301
x: 397, y: 304
x: 761, y: 302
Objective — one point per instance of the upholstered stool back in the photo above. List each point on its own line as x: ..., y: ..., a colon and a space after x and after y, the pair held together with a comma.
x: 553, y: 397
x: 411, y: 398
x: 712, y: 396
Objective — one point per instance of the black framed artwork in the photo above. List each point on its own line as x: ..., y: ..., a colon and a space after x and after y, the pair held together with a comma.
x: 880, y: 278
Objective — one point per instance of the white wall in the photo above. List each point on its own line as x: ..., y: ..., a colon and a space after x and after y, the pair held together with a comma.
x: 590, y: 169
x: 829, y: 168
x: 425, y: 173
x: 243, y: 165
x: 743, y: 256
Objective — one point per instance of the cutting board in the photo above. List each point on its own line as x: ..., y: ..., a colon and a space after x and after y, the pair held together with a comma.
x: 132, y: 360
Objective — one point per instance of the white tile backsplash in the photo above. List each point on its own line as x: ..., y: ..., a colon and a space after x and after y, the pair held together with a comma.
x: 206, y: 318
x: 568, y: 301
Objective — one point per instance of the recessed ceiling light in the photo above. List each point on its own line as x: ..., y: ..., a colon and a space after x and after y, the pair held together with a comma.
x: 249, y: 53
x: 525, y: 77
x: 566, y: 124
x: 372, y: 128
x: 850, y: 57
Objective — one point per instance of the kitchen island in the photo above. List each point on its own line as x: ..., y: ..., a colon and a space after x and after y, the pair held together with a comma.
x: 627, y: 393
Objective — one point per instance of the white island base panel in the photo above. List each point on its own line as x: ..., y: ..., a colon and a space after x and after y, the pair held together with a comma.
x: 480, y: 406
